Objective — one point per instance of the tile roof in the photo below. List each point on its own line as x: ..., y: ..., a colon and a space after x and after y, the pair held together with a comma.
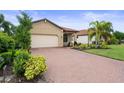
x: 69, y: 29
x: 82, y: 32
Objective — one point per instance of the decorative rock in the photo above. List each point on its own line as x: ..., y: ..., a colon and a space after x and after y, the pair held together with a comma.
x: 9, y: 78
x: 1, y: 79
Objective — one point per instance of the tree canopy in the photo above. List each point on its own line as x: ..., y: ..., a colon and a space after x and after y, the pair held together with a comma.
x: 23, y: 34
x: 6, y: 26
x: 102, y: 30
x: 119, y: 35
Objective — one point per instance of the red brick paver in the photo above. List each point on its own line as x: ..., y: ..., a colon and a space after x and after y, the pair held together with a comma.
x: 67, y: 65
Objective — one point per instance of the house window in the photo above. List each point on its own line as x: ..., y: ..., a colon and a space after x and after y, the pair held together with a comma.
x: 65, y: 38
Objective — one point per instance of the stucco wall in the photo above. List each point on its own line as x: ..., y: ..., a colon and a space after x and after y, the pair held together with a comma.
x: 84, y: 39
x: 46, y: 28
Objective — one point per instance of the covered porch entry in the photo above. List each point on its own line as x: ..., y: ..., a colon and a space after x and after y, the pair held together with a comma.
x: 69, y: 36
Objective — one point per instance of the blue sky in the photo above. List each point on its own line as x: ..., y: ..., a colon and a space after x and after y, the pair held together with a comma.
x: 77, y: 19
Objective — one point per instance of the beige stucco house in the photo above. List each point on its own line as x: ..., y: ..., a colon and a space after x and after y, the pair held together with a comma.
x: 45, y: 33
x: 82, y: 37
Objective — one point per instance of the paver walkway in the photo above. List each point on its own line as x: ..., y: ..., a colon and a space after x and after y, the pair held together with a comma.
x: 67, y: 65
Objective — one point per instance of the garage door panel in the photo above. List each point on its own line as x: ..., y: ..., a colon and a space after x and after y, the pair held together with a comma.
x: 44, y: 41
x: 82, y: 39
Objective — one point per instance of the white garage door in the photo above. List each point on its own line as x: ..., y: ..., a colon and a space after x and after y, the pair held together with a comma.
x: 44, y: 41
x: 82, y: 39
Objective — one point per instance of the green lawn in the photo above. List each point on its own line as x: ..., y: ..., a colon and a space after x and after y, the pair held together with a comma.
x: 115, y: 52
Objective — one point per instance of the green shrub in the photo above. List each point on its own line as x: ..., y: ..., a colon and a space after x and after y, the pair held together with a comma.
x: 21, y: 57
x: 92, y: 46
x: 6, y: 42
x: 83, y: 46
x: 114, y: 40
x: 34, y: 67
x: 5, y: 58
x: 103, y: 45
x: 22, y: 54
x: 78, y: 44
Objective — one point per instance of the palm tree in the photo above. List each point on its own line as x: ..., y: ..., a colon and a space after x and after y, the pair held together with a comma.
x: 23, y: 31
x: 95, y: 30
x: 101, y: 30
x: 6, y: 26
x: 107, y: 30
x: 1, y: 21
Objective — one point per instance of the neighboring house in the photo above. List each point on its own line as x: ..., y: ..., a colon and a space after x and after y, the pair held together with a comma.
x: 82, y: 37
x: 48, y: 34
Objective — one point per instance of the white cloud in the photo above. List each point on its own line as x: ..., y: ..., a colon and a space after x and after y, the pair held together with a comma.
x: 115, y: 18
x: 76, y: 21
x: 100, y: 16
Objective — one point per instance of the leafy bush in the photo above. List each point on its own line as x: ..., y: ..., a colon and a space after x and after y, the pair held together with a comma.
x: 103, y: 45
x: 114, y: 40
x: 22, y: 54
x: 21, y: 57
x: 6, y: 42
x: 83, y: 46
x: 34, y: 67
x: 119, y: 36
x: 5, y: 58
x: 92, y: 46
x: 78, y: 44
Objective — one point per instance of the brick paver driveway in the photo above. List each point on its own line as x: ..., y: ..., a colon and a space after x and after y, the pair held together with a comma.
x: 69, y: 65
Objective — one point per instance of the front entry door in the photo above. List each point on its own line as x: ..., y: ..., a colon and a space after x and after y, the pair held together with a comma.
x: 65, y: 39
